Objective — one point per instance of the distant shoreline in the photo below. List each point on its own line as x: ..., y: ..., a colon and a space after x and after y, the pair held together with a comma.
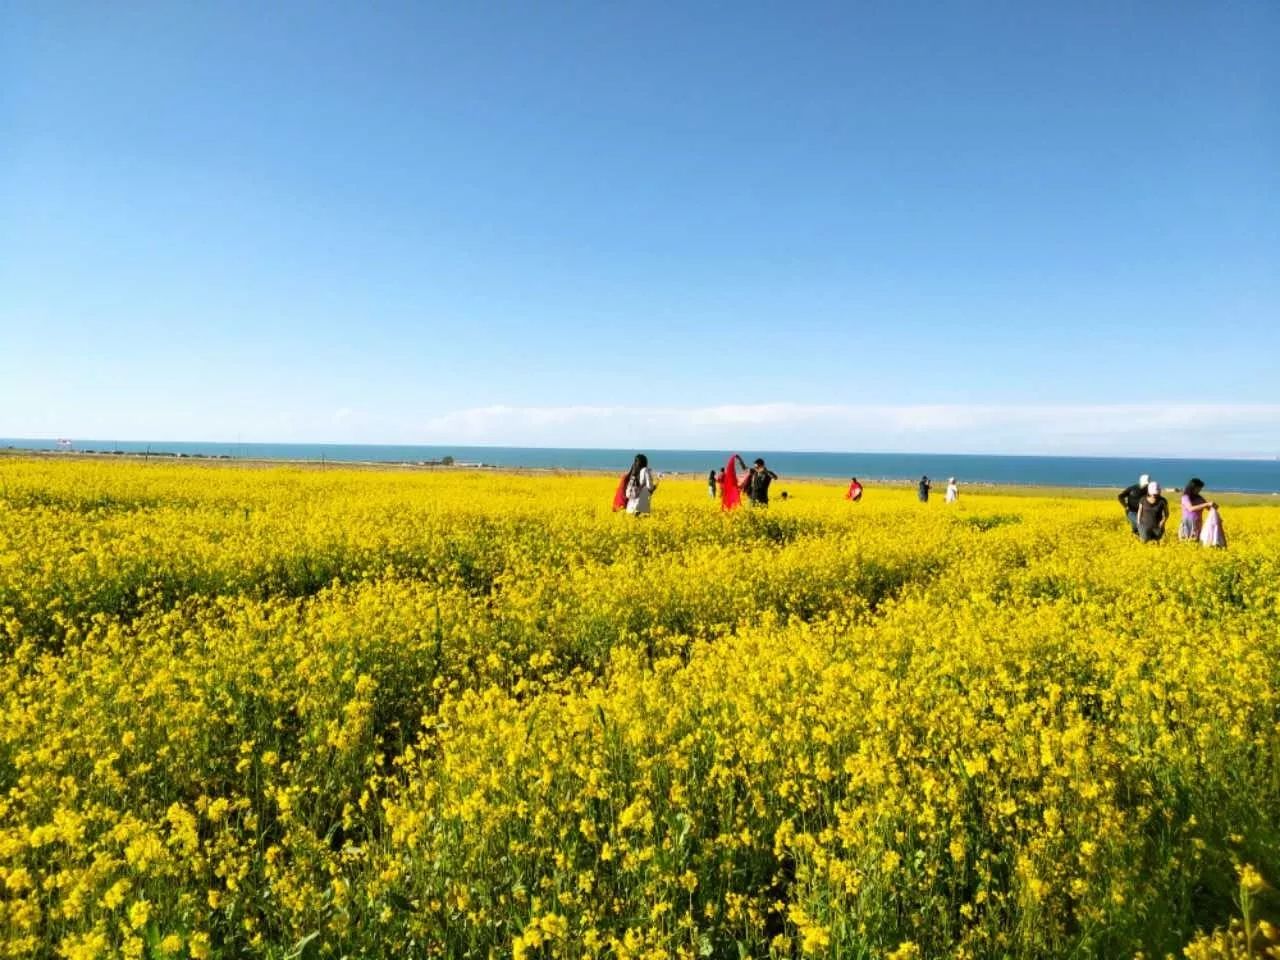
x: 1021, y: 471
x: 185, y: 459
x: 167, y: 448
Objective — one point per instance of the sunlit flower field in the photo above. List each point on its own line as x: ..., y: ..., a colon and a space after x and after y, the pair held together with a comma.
x: 309, y: 713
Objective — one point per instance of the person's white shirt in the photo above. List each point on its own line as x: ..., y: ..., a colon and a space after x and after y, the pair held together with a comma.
x: 953, y: 492
x: 643, y: 491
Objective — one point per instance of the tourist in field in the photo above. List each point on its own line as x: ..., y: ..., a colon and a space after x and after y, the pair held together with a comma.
x: 1130, y: 497
x: 640, y: 486
x: 1193, y: 510
x: 1153, y: 513
x: 922, y: 489
x: 953, y: 491
x: 756, y: 484
x: 854, y: 493
x: 730, y: 490
x: 1211, y: 532
x: 711, y: 484
x: 620, y: 492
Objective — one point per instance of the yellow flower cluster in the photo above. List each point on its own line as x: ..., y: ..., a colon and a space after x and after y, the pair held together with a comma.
x: 326, y: 713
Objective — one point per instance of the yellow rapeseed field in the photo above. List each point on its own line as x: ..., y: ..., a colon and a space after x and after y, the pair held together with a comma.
x: 398, y: 713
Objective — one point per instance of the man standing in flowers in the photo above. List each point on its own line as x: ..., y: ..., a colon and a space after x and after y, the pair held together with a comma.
x: 1130, y: 497
x: 756, y: 485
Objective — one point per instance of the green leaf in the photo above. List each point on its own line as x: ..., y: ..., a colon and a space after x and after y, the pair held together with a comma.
x: 306, y: 948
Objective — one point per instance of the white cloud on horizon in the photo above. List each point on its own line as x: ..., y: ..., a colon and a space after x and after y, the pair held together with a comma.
x: 1174, y: 430
x: 1151, y: 430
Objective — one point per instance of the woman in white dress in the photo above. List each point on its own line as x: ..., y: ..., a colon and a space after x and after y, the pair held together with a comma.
x: 640, y: 486
x: 953, y: 491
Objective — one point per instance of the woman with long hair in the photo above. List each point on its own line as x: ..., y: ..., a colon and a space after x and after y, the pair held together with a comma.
x: 730, y: 491
x: 1193, y: 509
x: 640, y: 486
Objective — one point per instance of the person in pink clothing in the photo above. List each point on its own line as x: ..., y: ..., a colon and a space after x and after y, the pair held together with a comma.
x: 1193, y: 510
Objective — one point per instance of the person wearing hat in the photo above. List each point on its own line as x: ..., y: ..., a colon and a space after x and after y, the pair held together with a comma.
x: 1153, y: 513
x: 1194, y: 510
x: 756, y: 483
x: 1130, y: 497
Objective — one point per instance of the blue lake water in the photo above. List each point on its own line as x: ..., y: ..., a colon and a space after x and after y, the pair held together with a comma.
x: 1252, y: 476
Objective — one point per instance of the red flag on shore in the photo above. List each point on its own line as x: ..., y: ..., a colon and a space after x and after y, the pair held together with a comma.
x: 730, y: 494
x: 620, y: 495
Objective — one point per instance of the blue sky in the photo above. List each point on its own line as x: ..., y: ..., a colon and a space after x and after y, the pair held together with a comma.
x: 1003, y: 226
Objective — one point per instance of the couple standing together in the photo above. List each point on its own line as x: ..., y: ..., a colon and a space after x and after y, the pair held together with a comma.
x: 755, y: 483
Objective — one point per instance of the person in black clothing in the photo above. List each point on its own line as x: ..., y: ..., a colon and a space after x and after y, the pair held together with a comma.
x: 711, y: 484
x: 922, y: 489
x: 1130, y: 497
x: 756, y: 484
x: 1153, y: 512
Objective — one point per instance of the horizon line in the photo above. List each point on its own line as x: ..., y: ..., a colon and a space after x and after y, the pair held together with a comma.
x: 1246, y: 458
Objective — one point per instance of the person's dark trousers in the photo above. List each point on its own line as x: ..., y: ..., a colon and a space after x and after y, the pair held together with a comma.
x: 1133, y: 520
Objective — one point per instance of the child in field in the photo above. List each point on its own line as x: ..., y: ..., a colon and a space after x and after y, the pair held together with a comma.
x: 711, y: 484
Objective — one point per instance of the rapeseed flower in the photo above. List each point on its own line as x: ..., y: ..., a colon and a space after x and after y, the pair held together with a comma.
x: 262, y: 712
